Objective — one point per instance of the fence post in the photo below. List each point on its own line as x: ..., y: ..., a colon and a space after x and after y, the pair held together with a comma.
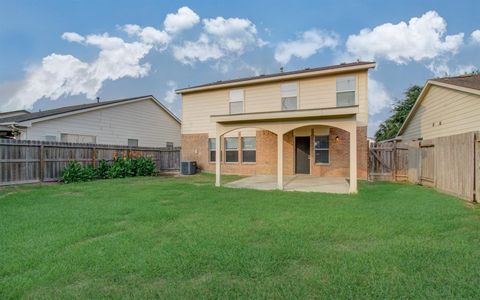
x: 94, y: 156
x: 394, y: 161
x: 42, y: 163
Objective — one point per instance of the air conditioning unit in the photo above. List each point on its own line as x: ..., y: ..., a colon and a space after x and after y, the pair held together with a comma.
x: 188, y: 167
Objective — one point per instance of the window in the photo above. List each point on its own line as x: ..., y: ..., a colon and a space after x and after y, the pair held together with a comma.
x: 169, y: 145
x: 249, y: 152
x: 50, y: 138
x: 132, y: 142
x: 77, y: 138
x: 236, y: 101
x: 231, y: 149
x: 321, y: 149
x: 212, y: 150
x: 346, y: 91
x: 289, y: 96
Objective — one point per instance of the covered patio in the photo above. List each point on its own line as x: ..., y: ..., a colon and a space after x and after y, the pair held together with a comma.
x: 282, y: 122
x: 298, y: 183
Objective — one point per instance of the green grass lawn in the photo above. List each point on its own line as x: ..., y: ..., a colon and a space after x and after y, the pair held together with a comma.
x: 184, y: 238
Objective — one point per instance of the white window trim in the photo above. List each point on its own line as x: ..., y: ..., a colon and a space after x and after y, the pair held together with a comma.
x: 249, y: 162
x: 315, y: 149
x: 232, y: 150
x: 230, y: 100
x: 342, y: 91
x: 211, y: 150
x: 297, y: 89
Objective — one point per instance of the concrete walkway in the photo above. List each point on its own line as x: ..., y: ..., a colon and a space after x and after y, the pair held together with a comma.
x: 301, y: 183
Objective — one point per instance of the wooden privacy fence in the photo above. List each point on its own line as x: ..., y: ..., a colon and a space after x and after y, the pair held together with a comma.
x: 450, y: 164
x: 41, y: 161
x: 387, y: 161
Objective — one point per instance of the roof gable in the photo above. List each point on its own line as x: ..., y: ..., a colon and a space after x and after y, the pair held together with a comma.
x: 466, y: 84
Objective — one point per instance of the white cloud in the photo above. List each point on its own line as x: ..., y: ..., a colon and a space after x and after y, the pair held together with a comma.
x: 476, y: 36
x: 378, y: 97
x: 220, y: 38
x: 170, y: 95
x: 185, y: 18
x: 148, y: 35
x: 72, y: 37
x: 200, y: 50
x: 63, y: 75
x: 309, y: 43
x: 419, y: 39
x: 440, y: 68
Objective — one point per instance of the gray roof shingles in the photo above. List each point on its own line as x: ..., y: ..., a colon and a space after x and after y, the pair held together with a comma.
x: 467, y: 81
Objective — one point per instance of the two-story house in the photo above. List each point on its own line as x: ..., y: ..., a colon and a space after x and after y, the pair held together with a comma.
x: 311, y: 121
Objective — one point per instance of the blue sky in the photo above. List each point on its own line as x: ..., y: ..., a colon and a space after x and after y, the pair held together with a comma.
x: 57, y: 53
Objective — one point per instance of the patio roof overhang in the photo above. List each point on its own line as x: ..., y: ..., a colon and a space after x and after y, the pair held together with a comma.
x: 301, y: 114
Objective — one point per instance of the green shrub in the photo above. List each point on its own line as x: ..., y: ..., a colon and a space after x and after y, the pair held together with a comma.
x: 73, y: 172
x: 143, y: 166
x: 89, y: 173
x: 103, y: 169
x: 120, y: 168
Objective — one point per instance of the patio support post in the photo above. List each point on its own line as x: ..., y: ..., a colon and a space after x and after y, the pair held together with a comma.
x: 218, y: 141
x: 280, y: 160
x: 353, y: 159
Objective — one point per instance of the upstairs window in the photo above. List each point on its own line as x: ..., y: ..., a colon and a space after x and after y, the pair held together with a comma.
x: 249, y: 151
x: 289, y: 96
x: 236, y: 101
x: 231, y: 149
x: 212, y: 150
x: 346, y: 91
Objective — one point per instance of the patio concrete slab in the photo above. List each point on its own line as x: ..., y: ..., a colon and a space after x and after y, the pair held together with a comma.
x: 301, y: 183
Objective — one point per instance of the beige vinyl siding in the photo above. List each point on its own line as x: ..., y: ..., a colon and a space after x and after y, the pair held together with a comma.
x: 143, y: 120
x: 457, y: 111
x: 318, y: 92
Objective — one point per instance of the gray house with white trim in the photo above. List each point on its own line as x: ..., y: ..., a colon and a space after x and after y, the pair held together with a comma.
x: 140, y: 121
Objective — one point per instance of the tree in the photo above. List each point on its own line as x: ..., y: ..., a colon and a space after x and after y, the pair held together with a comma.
x: 390, y: 127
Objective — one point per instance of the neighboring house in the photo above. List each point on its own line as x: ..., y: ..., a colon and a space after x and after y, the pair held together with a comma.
x: 311, y: 121
x: 446, y: 106
x: 139, y: 121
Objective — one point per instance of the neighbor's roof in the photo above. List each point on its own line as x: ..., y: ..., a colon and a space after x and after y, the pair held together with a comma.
x: 464, y: 83
x: 467, y: 81
x: 360, y: 65
x: 16, y: 112
x: 80, y: 108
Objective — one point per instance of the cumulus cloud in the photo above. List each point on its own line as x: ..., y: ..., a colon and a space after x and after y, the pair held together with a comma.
x: 148, y: 35
x: 73, y: 37
x: 308, y: 44
x: 440, y: 68
x: 64, y: 75
x: 421, y: 38
x: 378, y: 97
x: 475, y: 36
x: 220, y: 38
x: 185, y: 18
x: 170, y: 95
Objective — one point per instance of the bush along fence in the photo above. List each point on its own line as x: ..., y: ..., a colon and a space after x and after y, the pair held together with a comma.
x: 41, y: 161
x: 449, y: 164
x: 120, y: 168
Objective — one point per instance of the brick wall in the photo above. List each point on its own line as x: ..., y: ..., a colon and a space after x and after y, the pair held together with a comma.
x: 195, y: 147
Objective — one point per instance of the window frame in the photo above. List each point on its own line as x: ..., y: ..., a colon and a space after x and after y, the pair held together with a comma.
x: 214, y: 150
x: 237, y: 150
x: 232, y: 99
x: 315, y: 149
x: 65, y: 135
x: 128, y: 142
x: 249, y: 150
x: 284, y: 95
x: 337, y: 91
